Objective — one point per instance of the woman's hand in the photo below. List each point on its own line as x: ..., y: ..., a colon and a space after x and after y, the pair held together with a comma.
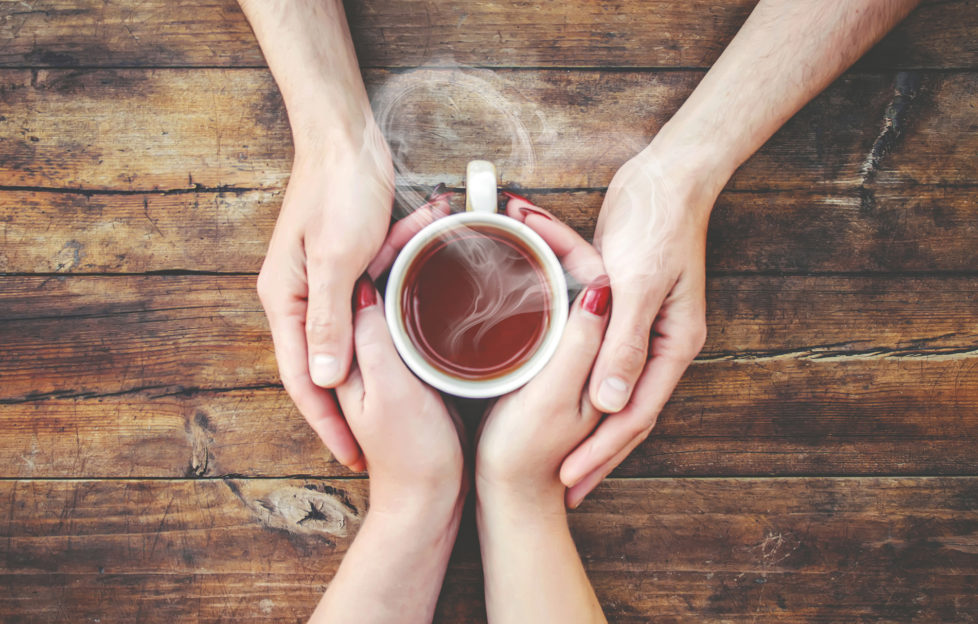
x: 652, y: 237
x: 532, y: 570
x: 528, y: 433
x: 394, y: 570
x: 409, y: 438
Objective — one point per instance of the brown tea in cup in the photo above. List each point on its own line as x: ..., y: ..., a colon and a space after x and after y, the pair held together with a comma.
x: 476, y: 302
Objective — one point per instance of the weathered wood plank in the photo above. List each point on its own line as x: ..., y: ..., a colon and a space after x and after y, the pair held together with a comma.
x: 711, y: 550
x: 577, y: 33
x: 179, y: 129
x: 55, y: 232
x: 907, y: 229
x: 767, y: 417
x: 174, y: 375
x: 77, y: 336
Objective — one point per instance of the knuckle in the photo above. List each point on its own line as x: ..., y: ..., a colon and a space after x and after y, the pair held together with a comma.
x: 321, y: 329
x: 640, y: 429
x: 631, y: 353
x: 265, y: 285
x: 697, y: 339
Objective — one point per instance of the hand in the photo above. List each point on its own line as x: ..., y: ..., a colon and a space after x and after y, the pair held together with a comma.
x: 652, y: 237
x: 528, y: 433
x: 410, y: 440
x: 531, y: 567
x: 332, y: 223
x: 394, y: 569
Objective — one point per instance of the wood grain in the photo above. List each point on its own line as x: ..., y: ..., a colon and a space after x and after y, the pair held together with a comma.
x: 867, y: 415
x: 173, y: 375
x: 909, y: 229
x: 402, y: 33
x: 88, y: 336
x: 211, y: 129
x: 730, y: 550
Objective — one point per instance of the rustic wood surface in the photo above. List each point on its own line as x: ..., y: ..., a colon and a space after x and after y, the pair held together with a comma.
x: 816, y: 464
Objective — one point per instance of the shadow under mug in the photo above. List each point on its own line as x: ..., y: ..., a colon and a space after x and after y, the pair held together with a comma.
x: 479, y: 227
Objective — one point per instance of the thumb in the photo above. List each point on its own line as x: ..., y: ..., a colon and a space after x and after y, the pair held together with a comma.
x: 328, y: 323
x: 377, y: 359
x: 624, y: 351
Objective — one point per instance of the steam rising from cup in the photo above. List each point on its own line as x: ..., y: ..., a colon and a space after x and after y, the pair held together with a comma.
x: 420, y: 111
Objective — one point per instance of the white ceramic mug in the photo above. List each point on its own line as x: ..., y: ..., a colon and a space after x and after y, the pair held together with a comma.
x: 481, y: 201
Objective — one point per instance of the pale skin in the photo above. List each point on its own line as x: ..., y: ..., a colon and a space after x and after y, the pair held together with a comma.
x: 394, y: 569
x: 651, y: 230
x: 531, y: 567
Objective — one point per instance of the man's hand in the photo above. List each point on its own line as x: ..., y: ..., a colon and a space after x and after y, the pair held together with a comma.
x: 652, y: 237
x: 336, y: 208
x: 332, y: 223
x: 652, y: 228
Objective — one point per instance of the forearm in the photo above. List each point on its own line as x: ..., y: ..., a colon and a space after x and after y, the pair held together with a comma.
x: 394, y: 569
x: 786, y: 52
x: 532, y: 570
x: 309, y: 51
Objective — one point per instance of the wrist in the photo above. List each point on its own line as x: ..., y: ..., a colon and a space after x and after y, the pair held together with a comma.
x: 691, y: 157
x: 542, y: 502
x: 433, y: 504
x: 328, y: 117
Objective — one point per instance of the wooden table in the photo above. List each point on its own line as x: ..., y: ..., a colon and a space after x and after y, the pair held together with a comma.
x: 817, y: 464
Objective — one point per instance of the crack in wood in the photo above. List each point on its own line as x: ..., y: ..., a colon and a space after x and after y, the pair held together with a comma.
x: 171, y: 390
x: 197, y: 188
x: 895, y: 120
x: 829, y: 354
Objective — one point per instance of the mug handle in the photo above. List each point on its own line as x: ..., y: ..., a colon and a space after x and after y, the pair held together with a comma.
x: 480, y: 186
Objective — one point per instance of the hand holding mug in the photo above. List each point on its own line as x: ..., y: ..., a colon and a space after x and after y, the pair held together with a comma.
x: 393, y: 571
x: 528, y: 433
x: 531, y: 566
x: 409, y: 438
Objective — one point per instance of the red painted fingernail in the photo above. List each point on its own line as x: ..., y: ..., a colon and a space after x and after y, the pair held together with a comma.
x: 437, y: 191
x: 366, y: 294
x: 512, y: 195
x: 597, y: 297
x: 526, y: 211
x: 441, y: 203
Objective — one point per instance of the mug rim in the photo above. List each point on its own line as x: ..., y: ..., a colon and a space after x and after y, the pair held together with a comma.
x: 478, y: 388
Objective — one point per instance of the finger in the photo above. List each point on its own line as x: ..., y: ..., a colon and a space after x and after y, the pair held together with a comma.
x: 624, y: 352
x: 349, y: 394
x: 317, y: 405
x: 328, y: 316
x: 578, y: 257
x: 617, y: 431
x: 377, y: 360
x: 402, y: 231
x: 575, y: 495
x: 350, y: 397
x: 571, y: 363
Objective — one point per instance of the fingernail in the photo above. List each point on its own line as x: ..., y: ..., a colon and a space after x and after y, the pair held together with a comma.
x: 360, y: 465
x: 612, y: 395
x: 512, y: 195
x: 436, y: 192
x: 325, y: 370
x: 597, y: 297
x: 366, y: 293
x: 439, y: 207
x: 576, y: 502
x: 526, y: 211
